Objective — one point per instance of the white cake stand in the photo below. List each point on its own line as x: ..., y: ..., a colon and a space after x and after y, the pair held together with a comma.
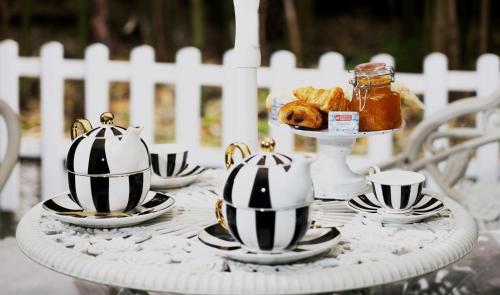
x: 332, y: 176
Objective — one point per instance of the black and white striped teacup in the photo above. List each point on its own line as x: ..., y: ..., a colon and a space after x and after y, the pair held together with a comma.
x: 109, y: 193
x: 168, y: 160
x: 265, y: 230
x: 397, y: 190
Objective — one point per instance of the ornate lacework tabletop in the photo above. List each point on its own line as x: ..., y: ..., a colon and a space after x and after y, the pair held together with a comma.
x: 164, y: 254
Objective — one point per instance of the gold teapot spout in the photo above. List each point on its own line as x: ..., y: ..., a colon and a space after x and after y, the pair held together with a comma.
x: 131, y: 138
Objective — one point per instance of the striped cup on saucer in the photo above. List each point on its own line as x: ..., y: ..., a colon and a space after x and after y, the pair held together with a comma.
x: 168, y: 160
x: 396, y: 190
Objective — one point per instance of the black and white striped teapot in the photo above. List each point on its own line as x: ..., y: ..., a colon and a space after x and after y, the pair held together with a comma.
x: 267, y: 198
x: 108, y: 166
x: 267, y: 180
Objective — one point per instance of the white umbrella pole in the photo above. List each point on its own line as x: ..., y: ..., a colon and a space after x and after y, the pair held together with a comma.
x: 247, y: 53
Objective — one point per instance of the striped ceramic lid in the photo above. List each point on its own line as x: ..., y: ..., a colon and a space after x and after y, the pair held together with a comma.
x: 106, y: 131
x: 268, y: 159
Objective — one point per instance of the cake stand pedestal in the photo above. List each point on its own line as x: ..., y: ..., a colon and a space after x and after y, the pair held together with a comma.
x: 332, y: 176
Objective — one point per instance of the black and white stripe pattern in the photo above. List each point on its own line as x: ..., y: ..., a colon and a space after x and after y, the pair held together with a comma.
x: 169, y: 165
x: 217, y: 237
x: 192, y: 171
x: 108, y: 194
x: 370, y: 204
x: 269, y: 230
x: 65, y: 204
x: 92, y: 153
x: 398, y: 197
x: 261, y: 181
x: 267, y: 160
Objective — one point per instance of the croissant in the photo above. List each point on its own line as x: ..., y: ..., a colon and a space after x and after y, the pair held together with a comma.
x: 301, y: 113
x: 325, y: 99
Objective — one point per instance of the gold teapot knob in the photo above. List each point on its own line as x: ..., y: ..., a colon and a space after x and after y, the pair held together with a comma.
x: 107, y: 118
x: 267, y: 145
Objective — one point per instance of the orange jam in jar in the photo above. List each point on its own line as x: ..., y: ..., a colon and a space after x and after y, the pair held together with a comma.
x: 379, y: 108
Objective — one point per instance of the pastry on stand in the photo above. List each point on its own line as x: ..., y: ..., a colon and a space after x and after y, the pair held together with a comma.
x: 379, y: 111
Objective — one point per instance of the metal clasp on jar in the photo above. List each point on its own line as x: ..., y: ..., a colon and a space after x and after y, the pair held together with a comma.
x: 358, y: 90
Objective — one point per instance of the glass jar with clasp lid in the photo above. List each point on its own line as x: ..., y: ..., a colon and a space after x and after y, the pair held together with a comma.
x: 379, y: 107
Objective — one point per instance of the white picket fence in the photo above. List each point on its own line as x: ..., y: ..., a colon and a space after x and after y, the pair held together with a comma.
x: 188, y: 74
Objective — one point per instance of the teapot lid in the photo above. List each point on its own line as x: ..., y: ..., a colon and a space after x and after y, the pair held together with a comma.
x: 107, y: 128
x: 267, y: 157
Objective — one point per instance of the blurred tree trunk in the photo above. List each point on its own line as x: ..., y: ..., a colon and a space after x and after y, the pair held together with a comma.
x: 409, y: 17
x: 5, y: 15
x: 170, y: 29
x: 25, y: 45
x: 439, y: 26
x: 181, y: 28
x: 428, y: 24
x: 453, y: 34
x: 446, y: 31
x: 159, y: 29
x: 133, y: 19
x: 229, y: 20
x: 144, y: 22
x: 82, y: 26
x: 293, y: 29
x: 99, y: 22
x: 307, y: 24
x: 484, y: 20
x: 197, y: 23
x: 263, y: 5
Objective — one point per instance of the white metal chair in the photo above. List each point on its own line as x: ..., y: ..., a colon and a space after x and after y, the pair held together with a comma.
x: 447, y: 165
x: 24, y: 276
x: 13, y: 142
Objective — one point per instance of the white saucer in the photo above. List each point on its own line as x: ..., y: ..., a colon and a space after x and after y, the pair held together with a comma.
x: 316, y: 241
x: 368, y: 205
x: 188, y: 176
x: 66, y: 210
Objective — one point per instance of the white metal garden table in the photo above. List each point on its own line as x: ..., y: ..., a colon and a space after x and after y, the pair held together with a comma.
x: 164, y: 254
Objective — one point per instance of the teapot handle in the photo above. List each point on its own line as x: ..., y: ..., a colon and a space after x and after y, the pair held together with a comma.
x: 80, y: 124
x: 219, y: 215
x: 243, y: 148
